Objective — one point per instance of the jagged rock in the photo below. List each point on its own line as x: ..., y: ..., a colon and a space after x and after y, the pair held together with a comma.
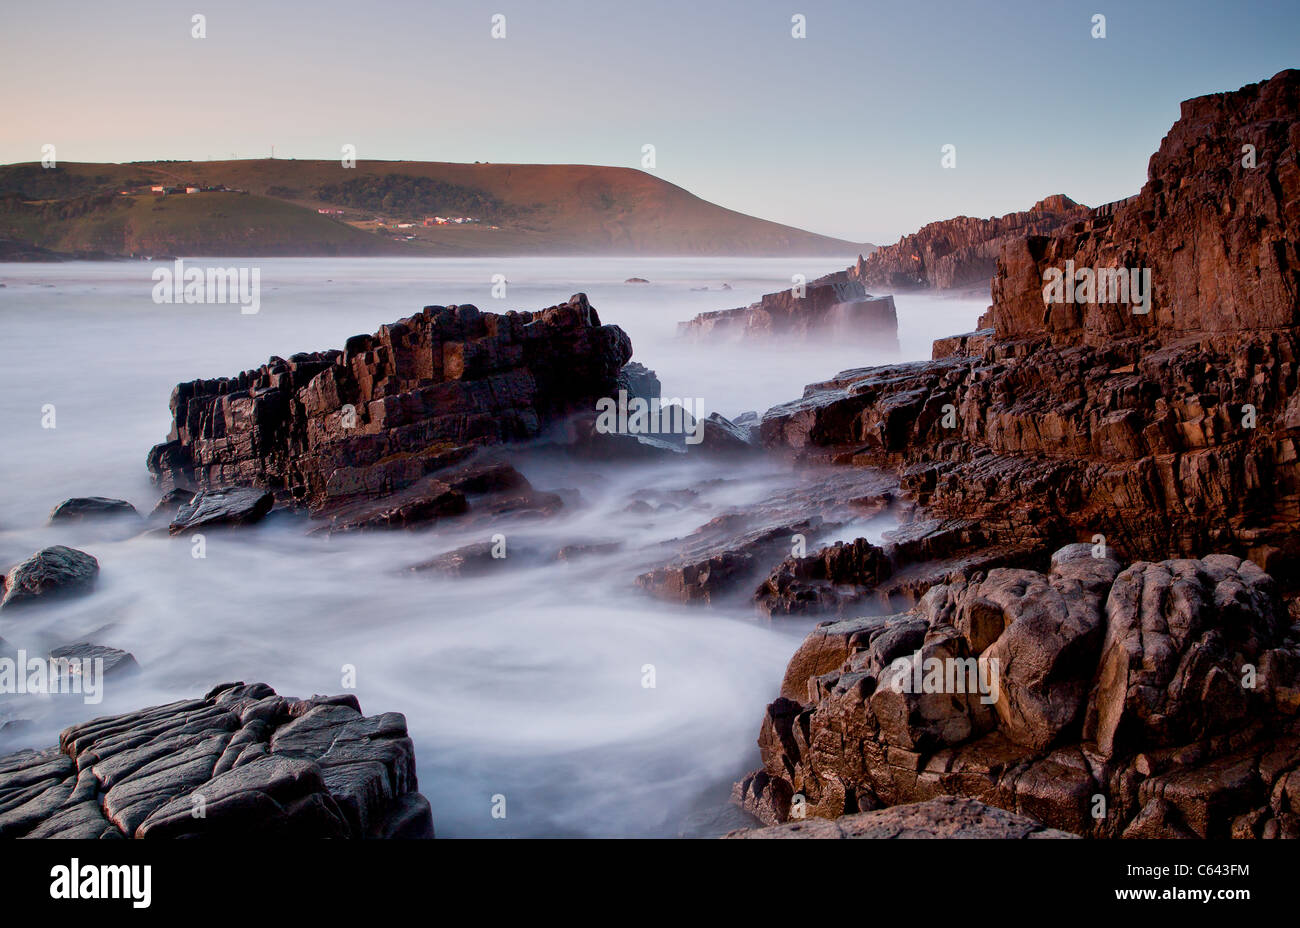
x: 1153, y: 687
x: 831, y: 580
x: 91, y: 507
x: 241, y: 762
x: 421, y: 394
x: 1167, y: 432
x: 834, y: 305
x: 942, y: 817
x: 639, y: 381
x: 960, y: 252
x: 720, y: 435
x: 228, y: 507
x: 50, y: 573
x: 727, y: 556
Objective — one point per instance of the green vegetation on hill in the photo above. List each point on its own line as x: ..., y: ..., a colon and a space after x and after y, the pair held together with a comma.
x: 290, y: 207
x: 413, y: 195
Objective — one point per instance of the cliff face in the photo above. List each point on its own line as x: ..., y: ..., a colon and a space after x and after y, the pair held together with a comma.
x: 1171, y: 431
x: 391, y: 407
x: 1149, y: 427
x: 959, y: 252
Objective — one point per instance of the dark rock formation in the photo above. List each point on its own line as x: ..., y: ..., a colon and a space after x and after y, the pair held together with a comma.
x: 831, y: 306
x: 332, y: 427
x: 959, y: 252
x: 116, y: 661
x: 728, y: 556
x: 942, y: 817
x: 639, y: 381
x: 53, y: 572
x: 91, y: 507
x: 227, y: 507
x: 241, y: 762
x: 1167, y: 432
x: 1157, y: 700
x: 719, y: 435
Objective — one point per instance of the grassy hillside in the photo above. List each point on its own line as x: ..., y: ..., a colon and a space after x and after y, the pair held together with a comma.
x: 379, y: 208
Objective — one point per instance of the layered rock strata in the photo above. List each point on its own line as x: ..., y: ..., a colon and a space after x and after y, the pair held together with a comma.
x: 330, y: 427
x: 241, y: 762
x: 831, y: 306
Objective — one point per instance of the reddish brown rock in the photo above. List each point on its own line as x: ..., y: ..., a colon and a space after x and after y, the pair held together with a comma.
x: 333, y: 427
x: 834, y: 305
x: 1101, y: 702
x: 1170, y: 432
x: 959, y: 252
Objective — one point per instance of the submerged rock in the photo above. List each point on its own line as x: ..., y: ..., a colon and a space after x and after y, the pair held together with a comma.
x: 53, y: 572
x: 91, y: 507
x: 241, y: 762
x: 116, y: 661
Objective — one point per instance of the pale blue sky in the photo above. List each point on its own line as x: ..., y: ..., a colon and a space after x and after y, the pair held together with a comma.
x: 839, y: 133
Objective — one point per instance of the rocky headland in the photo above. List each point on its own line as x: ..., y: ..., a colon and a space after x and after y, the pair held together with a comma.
x: 1106, y: 510
x: 960, y: 252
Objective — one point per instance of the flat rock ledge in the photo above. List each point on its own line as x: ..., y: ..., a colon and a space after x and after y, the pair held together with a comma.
x: 942, y: 817
x: 240, y: 762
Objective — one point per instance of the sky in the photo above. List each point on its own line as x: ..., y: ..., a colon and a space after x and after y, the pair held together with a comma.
x: 840, y: 132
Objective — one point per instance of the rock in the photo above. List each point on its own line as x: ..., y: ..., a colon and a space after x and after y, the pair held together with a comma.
x: 832, y: 580
x: 1172, y: 431
x: 1051, y: 689
x: 467, y: 561
x: 636, y: 280
x: 51, y: 573
x: 942, y: 817
x: 422, y: 394
x: 169, y: 505
x: 721, y: 436
x: 639, y: 381
x: 727, y: 556
x: 91, y: 507
x: 253, y: 763
x: 115, y: 661
x: 831, y: 306
x: 574, y: 552
x: 962, y: 251
x: 227, y: 508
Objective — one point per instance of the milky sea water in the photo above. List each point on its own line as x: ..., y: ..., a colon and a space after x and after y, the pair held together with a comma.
x: 528, y: 684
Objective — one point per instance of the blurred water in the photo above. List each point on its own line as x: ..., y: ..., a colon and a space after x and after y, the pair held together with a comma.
x: 528, y: 683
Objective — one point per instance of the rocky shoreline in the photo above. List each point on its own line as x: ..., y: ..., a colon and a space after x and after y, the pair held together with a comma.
x: 1084, y: 620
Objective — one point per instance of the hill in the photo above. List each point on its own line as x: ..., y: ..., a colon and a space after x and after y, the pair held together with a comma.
x: 292, y: 207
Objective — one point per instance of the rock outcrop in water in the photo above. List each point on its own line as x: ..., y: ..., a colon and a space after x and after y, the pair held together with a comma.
x: 54, y: 572
x: 960, y: 252
x: 1172, y: 431
x: 831, y: 306
x: 241, y: 762
x: 1157, y: 700
x: 334, y: 427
